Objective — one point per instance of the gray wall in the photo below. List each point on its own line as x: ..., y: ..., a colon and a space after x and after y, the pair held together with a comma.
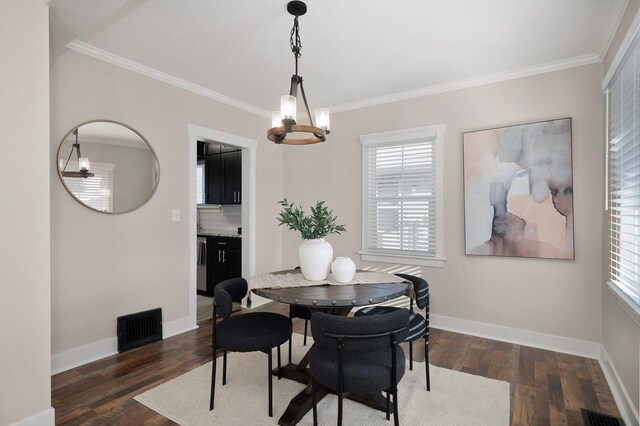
x: 25, y: 323
x: 139, y: 260
x: 556, y: 297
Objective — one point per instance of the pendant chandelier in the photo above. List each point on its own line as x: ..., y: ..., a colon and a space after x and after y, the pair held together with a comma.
x: 84, y: 166
x: 283, y: 122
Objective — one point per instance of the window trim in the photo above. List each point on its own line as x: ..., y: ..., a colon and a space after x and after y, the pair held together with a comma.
x: 630, y: 43
x: 396, y: 136
x: 626, y: 303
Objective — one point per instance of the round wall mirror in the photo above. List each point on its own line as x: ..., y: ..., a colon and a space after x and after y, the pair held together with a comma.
x: 108, y: 166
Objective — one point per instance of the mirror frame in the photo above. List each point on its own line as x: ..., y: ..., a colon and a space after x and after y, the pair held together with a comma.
x: 70, y: 132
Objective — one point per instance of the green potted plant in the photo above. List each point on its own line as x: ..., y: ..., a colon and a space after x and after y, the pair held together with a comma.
x: 314, y: 254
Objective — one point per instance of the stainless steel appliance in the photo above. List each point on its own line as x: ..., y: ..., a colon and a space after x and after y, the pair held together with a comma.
x: 201, y: 269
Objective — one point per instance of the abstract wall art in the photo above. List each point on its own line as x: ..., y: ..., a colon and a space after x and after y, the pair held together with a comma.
x: 518, y: 191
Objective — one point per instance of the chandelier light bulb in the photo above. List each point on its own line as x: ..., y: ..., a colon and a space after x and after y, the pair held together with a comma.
x: 322, y: 119
x: 84, y: 164
x: 276, y: 120
x: 288, y: 107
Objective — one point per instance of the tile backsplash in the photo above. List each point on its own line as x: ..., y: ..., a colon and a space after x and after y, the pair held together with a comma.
x: 226, y: 219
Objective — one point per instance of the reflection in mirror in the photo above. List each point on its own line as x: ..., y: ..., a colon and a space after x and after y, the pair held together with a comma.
x: 108, y: 166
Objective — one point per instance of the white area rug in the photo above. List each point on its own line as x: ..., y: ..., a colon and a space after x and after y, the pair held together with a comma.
x: 455, y: 398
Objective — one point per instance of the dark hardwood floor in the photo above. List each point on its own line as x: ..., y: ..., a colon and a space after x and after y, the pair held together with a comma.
x: 546, y: 387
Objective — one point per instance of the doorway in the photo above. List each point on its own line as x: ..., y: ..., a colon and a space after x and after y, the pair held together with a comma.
x: 247, y: 206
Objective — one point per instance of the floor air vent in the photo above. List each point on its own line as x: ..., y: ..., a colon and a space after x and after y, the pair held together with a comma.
x: 139, y: 329
x: 593, y: 418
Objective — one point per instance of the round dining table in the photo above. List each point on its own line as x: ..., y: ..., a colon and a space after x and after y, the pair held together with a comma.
x: 335, y: 300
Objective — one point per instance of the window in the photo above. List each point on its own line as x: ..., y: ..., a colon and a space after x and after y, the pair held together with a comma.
x: 402, y: 196
x: 624, y: 178
x: 200, y: 183
x: 96, y: 191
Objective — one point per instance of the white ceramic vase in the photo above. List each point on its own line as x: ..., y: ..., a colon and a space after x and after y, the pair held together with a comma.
x: 343, y: 269
x: 315, y: 259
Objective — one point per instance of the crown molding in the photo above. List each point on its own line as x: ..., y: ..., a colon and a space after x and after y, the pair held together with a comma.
x: 471, y: 82
x: 622, y: 51
x: 97, y: 53
x: 610, y: 30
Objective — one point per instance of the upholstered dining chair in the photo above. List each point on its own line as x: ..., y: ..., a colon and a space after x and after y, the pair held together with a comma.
x: 250, y: 332
x: 419, y: 325
x: 362, y: 355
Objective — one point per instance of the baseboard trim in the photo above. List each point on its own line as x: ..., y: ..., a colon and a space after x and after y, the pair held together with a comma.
x: 178, y: 326
x: 81, y: 355
x: 518, y: 336
x: 619, y: 391
x: 44, y: 418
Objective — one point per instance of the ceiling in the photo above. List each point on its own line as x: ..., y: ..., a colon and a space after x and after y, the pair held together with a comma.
x: 354, y: 52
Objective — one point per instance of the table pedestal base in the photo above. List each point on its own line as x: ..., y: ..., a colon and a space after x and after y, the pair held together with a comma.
x: 302, y: 403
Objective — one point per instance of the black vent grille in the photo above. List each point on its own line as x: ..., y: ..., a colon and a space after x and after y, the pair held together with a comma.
x: 141, y: 328
x: 593, y: 418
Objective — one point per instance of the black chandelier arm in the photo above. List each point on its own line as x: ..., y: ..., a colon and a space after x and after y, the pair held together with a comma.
x: 295, y: 80
x: 76, y: 146
x: 306, y: 106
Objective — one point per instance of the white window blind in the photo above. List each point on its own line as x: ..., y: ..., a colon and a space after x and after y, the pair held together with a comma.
x: 401, y: 195
x: 624, y: 176
x: 96, y: 191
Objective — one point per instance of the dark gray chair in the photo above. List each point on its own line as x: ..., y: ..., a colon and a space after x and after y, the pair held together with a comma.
x: 419, y: 325
x: 250, y: 332
x: 359, y: 355
x: 303, y: 313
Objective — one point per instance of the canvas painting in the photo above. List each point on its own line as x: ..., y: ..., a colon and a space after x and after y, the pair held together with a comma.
x: 518, y: 191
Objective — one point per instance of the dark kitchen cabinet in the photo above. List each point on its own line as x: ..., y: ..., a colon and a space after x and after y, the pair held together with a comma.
x: 202, y: 149
x: 224, y: 260
x: 224, y: 178
x: 231, y: 178
x: 212, y: 174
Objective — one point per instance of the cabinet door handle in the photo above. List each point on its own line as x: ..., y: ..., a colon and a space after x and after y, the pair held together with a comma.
x: 223, y: 256
x: 238, y: 197
x: 234, y: 196
x: 219, y: 256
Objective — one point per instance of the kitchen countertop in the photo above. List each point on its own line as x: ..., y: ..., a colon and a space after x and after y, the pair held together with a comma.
x: 218, y: 234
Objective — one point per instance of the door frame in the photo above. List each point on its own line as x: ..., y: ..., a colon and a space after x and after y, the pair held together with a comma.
x: 248, y: 194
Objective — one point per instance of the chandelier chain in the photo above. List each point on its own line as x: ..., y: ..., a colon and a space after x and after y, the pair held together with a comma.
x: 296, y: 46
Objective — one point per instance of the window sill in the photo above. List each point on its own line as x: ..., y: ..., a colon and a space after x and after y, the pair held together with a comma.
x: 435, y: 262
x: 626, y: 303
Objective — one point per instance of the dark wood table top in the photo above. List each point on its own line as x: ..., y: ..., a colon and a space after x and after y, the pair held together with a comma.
x: 328, y: 296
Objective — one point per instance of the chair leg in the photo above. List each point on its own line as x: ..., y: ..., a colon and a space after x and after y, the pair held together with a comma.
x: 224, y: 367
x: 306, y: 323
x: 279, y: 364
x: 388, y: 404
x: 270, y: 383
x: 411, y: 355
x: 426, y: 362
x: 340, y: 400
x: 290, y: 339
x: 313, y: 399
x: 396, y: 421
x: 213, y: 380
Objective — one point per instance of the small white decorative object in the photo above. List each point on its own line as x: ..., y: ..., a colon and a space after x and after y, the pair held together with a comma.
x: 343, y: 269
x: 315, y: 259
